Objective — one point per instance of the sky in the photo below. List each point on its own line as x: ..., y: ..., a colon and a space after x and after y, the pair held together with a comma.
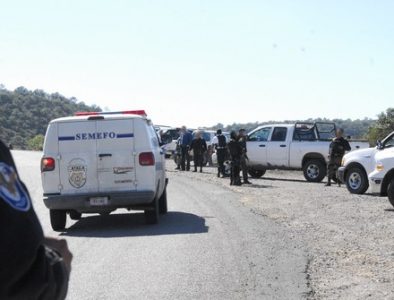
x: 198, y: 63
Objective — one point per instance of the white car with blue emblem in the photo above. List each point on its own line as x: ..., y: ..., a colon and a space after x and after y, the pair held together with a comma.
x: 99, y: 162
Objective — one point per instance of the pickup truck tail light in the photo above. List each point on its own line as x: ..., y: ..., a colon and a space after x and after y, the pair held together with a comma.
x: 147, y: 159
x: 47, y: 164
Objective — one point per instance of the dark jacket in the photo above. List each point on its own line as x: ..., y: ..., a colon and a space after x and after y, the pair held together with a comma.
x: 186, y: 138
x: 338, y: 147
x: 199, y: 146
x: 235, y: 150
x: 25, y: 270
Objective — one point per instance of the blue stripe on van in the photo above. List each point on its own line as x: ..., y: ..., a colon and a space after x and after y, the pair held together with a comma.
x: 124, y: 135
x: 66, y: 138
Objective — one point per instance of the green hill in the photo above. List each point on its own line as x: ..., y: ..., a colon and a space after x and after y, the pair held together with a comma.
x: 25, y: 114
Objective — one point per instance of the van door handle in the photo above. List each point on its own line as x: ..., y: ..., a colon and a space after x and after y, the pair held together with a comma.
x: 105, y: 155
x: 282, y: 146
x: 262, y: 145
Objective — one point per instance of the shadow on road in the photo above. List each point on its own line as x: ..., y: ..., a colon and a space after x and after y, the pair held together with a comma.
x: 133, y: 224
x: 281, y: 179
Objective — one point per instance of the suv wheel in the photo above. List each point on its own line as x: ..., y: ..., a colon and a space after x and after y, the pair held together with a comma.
x: 152, y: 215
x: 163, y: 202
x: 58, y: 219
x: 314, y: 170
x: 256, y: 173
x: 356, y: 180
x: 390, y: 192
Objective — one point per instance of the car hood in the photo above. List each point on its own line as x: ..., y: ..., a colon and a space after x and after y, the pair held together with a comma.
x: 362, y: 152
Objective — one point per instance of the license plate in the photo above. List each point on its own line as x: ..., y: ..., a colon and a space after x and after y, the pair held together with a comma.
x: 98, y: 201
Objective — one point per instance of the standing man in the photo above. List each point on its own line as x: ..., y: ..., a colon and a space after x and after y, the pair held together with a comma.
x: 235, y: 152
x: 242, y: 137
x: 199, y: 147
x: 31, y: 266
x: 338, y: 147
x: 220, y: 144
x: 185, y: 141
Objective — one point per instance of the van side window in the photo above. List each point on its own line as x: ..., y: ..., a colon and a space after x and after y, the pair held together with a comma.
x: 279, y: 134
x: 260, y: 135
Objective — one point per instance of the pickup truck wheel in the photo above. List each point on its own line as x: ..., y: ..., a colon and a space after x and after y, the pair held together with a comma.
x: 58, y: 219
x: 74, y: 215
x: 356, y: 181
x: 314, y: 170
x: 390, y: 192
x: 152, y: 215
x: 256, y: 173
x: 163, y: 202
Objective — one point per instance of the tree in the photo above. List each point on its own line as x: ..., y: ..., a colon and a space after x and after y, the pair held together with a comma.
x: 36, y: 143
x: 383, y: 126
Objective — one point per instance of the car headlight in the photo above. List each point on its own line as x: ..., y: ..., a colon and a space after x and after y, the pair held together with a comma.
x: 379, y: 167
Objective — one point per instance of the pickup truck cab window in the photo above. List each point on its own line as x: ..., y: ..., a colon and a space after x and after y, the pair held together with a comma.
x: 260, y: 135
x: 279, y: 134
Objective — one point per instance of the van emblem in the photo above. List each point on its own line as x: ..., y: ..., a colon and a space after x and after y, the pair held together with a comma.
x: 77, y: 173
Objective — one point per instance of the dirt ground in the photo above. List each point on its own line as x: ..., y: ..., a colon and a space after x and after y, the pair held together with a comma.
x: 349, y: 238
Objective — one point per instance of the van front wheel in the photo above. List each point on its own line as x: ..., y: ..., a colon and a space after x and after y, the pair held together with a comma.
x: 58, y: 219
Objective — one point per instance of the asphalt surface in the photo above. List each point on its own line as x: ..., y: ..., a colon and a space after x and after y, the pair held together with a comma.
x: 209, y: 246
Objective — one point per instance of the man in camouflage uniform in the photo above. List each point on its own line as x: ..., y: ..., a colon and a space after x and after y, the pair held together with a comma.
x: 338, y: 147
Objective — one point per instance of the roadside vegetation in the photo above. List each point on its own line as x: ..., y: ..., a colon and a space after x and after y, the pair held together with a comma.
x: 25, y: 114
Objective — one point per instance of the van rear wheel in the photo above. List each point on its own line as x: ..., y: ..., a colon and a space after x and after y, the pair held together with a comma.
x: 163, y: 202
x: 74, y: 215
x: 152, y: 215
x: 58, y: 219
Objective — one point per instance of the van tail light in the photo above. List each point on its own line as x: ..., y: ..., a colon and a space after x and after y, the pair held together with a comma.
x: 147, y: 159
x: 47, y: 164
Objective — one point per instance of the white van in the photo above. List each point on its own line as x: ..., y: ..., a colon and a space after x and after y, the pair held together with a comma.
x: 98, y: 162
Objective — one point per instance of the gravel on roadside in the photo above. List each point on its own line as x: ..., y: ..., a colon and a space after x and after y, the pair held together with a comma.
x: 349, y: 238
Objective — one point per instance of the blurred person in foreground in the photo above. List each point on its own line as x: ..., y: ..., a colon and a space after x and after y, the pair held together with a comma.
x: 31, y: 266
x: 338, y: 147
x: 199, y: 147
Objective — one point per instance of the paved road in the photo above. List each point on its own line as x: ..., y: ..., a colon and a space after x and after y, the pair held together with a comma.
x: 209, y: 246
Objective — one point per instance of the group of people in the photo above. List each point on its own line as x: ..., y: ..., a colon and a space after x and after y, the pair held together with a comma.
x: 234, y: 150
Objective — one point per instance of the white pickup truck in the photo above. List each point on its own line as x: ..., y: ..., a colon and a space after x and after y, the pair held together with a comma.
x: 369, y: 168
x: 292, y: 146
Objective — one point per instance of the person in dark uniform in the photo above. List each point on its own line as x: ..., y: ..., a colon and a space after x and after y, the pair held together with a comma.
x: 242, y: 137
x: 185, y: 141
x: 338, y: 147
x: 199, y: 147
x: 31, y: 266
x: 220, y: 144
x: 235, y: 150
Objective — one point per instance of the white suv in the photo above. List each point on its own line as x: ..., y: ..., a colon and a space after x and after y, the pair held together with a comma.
x: 99, y: 162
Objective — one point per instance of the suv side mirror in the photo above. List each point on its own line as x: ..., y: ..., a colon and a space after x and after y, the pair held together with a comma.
x: 379, y: 144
